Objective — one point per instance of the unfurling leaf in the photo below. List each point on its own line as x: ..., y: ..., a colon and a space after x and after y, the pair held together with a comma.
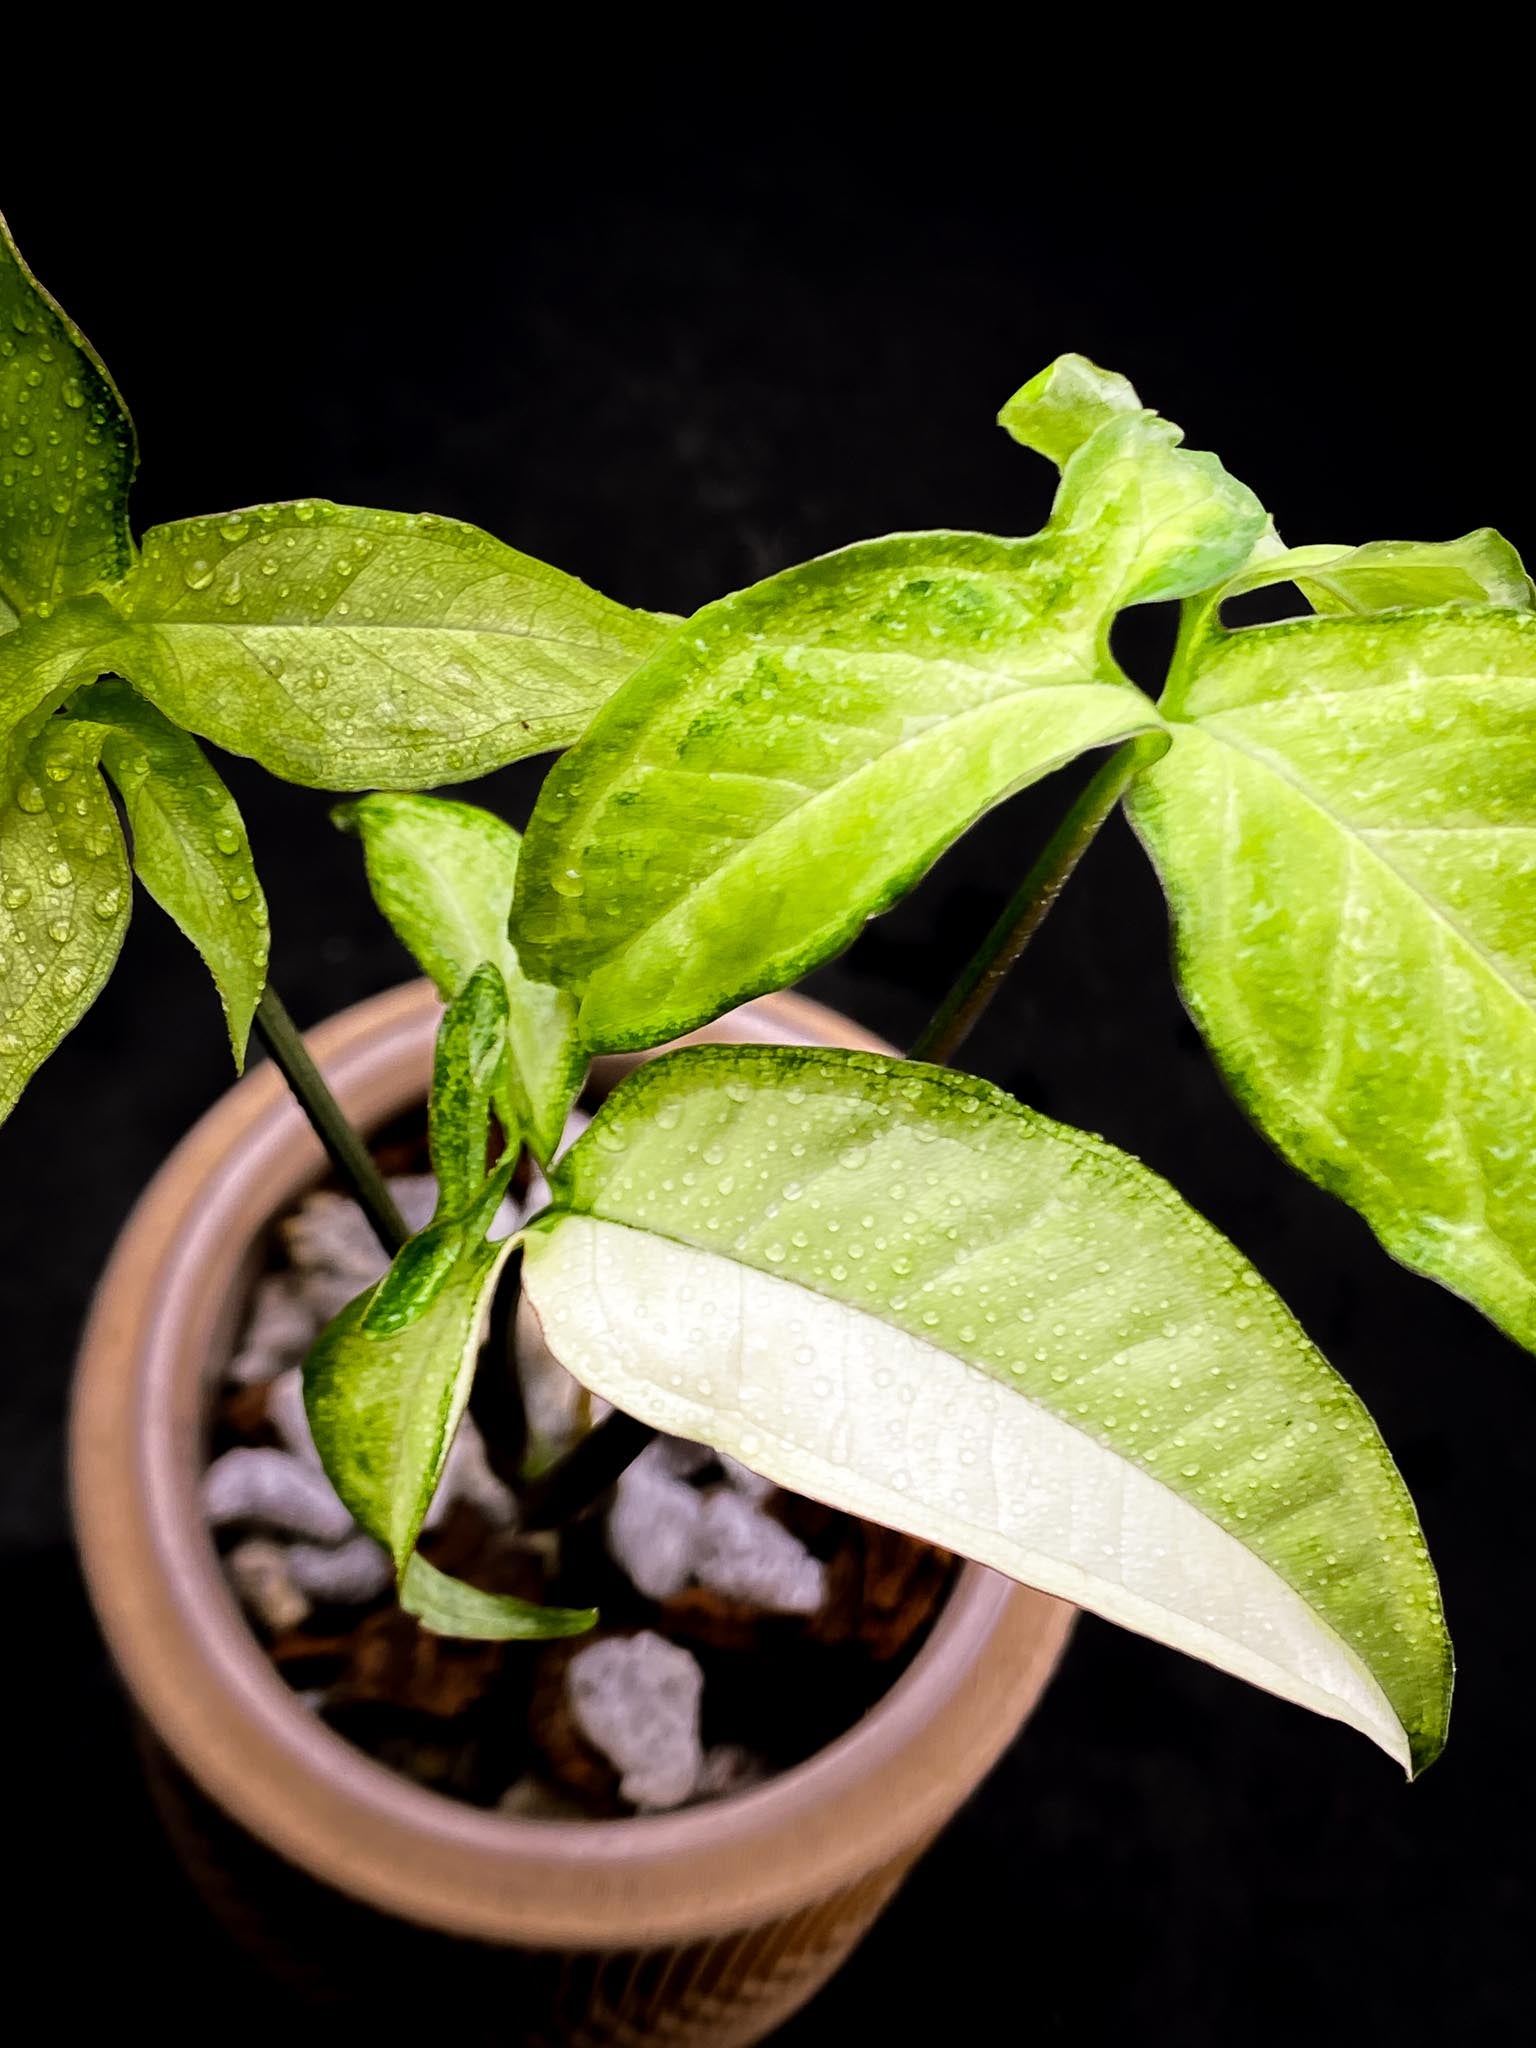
x: 68, y: 454
x: 1346, y: 829
x: 64, y: 894
x: 448, y: 1607
x: 1383, y: 575
x: 896, y: 1290
x: 443, y: 873
x: 350, y: 649
x: 189, y: 845
x: 469, y: 1050
x: 386, y: 1383
x: 1065, y: 404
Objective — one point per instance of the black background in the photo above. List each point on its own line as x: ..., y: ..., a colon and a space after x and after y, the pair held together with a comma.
x: 672, y: 375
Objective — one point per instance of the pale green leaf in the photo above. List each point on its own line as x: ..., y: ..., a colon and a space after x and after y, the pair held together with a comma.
x: 448, y: 1607
x: 67, y: 451
x: 1069, y: 400
x: 896, y: 1290
x: 1181, y: 522
x: 350, y: 649
x: 1346, y: 829
x: 798, y: 755
x: 1386, y: 575
x: 443, y: 873
x: 190, y: 848
x: 386, y: 1383
x: 45, y: 659
x: 64, y: 895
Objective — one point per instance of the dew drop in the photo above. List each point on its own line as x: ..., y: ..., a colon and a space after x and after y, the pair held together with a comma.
x: 198, y: 573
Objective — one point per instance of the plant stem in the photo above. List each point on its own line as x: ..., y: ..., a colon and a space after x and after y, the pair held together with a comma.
x: 347, y: 1152
x: 581, y: 1478
x: 1028, y: 908
x: 584, y: 1475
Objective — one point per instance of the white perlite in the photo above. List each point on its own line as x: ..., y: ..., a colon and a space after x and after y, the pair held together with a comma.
x: 281, y: 1329
x: 349, y: 1573
x: 636, y: 1698
x: 746, y: 1555
x: 255, y: 1484
x: 653, y: 1525
x: 664, y: 1534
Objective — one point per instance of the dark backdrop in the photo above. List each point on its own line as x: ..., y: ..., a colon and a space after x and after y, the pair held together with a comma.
x: 671, y: 379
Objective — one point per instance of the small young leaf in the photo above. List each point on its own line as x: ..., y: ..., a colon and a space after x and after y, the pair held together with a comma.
x: 69, y: 453
x: 470, y: 1045
x: 64, y: 895
x: 896, y: 1290
x: 1346, y: 830
x: 443, y: 873
x: 1386, y: 575
x: 796, y: 757
x: 189, y: 845
x: 350, y: 649
x: 43, y: 660
x: 1069, y: 400
x: 448, y: 1607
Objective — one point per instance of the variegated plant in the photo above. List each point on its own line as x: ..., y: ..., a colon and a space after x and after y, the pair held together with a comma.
x: 873, y: 1280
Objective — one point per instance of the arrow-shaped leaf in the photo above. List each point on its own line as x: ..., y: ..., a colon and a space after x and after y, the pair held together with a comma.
x: 896, y: 1290
x: 350, y: 649
x: 792, y: 760
x: 1346, y: 829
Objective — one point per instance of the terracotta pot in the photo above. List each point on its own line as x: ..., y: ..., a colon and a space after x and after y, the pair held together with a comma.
x: 708, y: 1926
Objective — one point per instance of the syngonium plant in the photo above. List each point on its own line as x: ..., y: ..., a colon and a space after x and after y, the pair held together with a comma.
x: 874, y: 1280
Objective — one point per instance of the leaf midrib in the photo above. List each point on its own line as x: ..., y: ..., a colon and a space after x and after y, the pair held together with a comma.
x: 845, y: 787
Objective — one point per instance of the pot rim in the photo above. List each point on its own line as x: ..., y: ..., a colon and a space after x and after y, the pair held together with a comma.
x: 200, y: 1676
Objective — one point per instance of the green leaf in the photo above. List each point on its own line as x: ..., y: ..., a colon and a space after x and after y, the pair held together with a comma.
x: 1069, y: 400
x: 1346, y: 830
x: 45, y: 659
x: 386, y: 1383
x: 350, y: 649
x: 1385, y: 575
x: 448, y: 1607
x: 64, y: 895
x: 443, y: 873
x: 798, y: 755
x: 189, y: 844
x: 67, y: 453
x: 896, y: 1290
x: 469, y: 1052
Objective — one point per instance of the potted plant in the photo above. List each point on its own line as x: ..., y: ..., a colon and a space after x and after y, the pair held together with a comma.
x: 875, y: 1281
